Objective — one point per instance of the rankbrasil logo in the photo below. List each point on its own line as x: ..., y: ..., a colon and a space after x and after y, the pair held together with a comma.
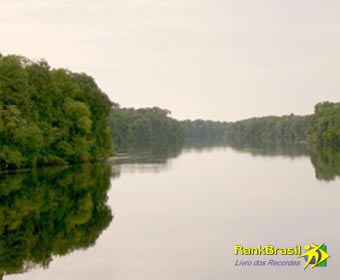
x: 316, y: 255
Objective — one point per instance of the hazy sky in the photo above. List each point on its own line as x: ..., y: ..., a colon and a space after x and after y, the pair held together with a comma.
x: 216, y: 59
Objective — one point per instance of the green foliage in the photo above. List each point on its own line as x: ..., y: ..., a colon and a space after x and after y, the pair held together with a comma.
x: 49, y: 117
x: 324, y: 140
x: 268, y: 130
x: 252, y: 131
x: 49, y: 212
x: 206, y: 131
x: 143, y: 128
x: 324, y: 130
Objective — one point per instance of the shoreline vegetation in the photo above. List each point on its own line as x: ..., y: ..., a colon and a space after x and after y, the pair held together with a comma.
x: 50, y: 116
x: 56, y: 117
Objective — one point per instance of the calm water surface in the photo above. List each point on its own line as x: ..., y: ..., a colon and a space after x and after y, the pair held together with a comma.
x: 179, y: 218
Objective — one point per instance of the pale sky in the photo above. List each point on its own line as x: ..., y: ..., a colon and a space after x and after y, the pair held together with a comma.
x: 211, y: 59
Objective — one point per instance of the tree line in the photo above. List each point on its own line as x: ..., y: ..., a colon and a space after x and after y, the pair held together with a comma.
x: 143, y: 128
x: 324, y: 130
x: 204, y: 130
x: 269, y: 129
x: 320, y: 130
x: 50, y: 116
x: 55, y: 117
x: 153, y: 127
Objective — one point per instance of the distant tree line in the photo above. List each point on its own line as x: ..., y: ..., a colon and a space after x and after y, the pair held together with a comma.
x: 204, y: 130
x: 253, y: 131
x: 322, y: 129
x: 49, y: 116
x: 153, y: 127
x: 285, y: 129
x: 55, y: 117
x: 143, y: 128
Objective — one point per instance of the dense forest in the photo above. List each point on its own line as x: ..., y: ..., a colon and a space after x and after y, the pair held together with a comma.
x: 55, y: 117
x: 153, y: 128
x: 143, y: 128
x: 49, y: 116
x: 324, y: 140
x: 205, y: 130
x: 270, y: 129
x: 324, y: 130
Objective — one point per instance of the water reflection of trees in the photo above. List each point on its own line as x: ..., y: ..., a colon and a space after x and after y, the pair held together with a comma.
x: 203, y: 145
x: 275, y: 148
x: 326, y: 162
x: 154, y: 159
x: 54, y: 211
x: 157, y: 158
x: 49, y: 212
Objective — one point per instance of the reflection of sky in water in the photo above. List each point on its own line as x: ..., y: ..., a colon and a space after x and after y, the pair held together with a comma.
x: 184, y: 222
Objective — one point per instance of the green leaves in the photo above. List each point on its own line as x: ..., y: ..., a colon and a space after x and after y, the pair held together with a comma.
x: 285, y: 129
x: 11, y: 158
x: 325, y: 127
x: 49, y: 116
x: 143, y: 128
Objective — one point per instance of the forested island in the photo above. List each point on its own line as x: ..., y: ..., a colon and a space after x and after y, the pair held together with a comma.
x: 57, y: 117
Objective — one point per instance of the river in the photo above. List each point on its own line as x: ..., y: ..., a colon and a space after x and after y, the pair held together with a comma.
x: 177, y: 216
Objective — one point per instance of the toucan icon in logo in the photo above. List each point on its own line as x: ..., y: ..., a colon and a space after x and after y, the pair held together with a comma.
x: 315, y: 255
